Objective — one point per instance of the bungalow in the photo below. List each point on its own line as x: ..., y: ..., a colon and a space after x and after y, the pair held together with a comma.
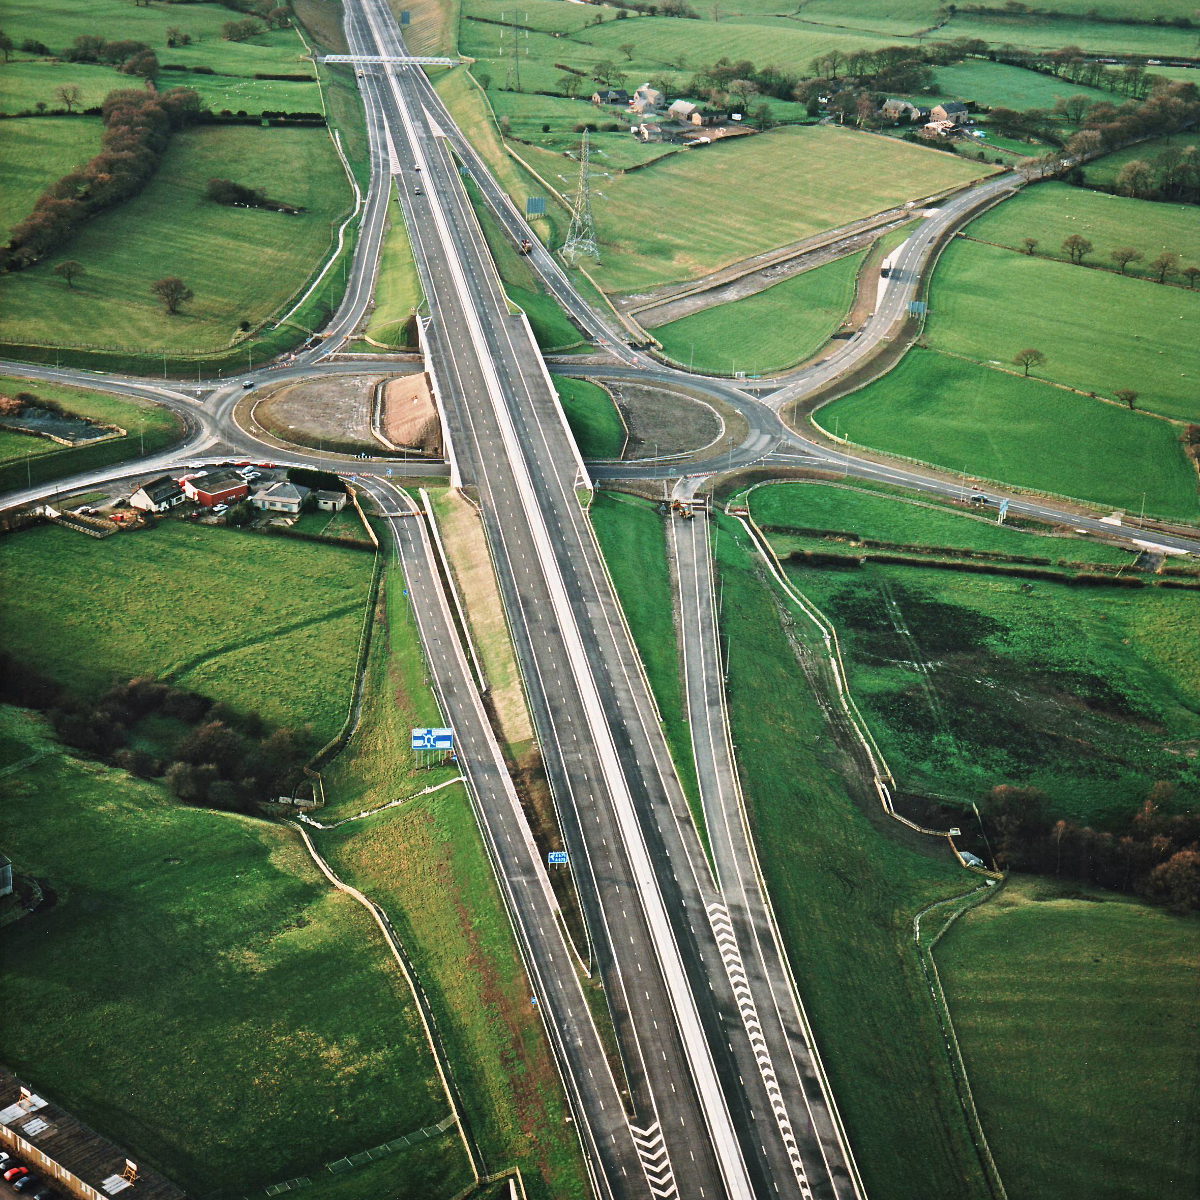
x: 158, y: 495
x: 647, y: 99
x: 610, y: 96
x: 280, y: 497
x: 329, y: 501
x: 954, y: 111
x: 216, y: 487
x: 681, y: 110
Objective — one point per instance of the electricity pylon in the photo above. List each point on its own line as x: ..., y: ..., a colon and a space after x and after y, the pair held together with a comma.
x: 581, y: 236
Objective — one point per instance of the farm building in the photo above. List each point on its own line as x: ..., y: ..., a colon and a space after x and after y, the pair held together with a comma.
x: 648, y: 131
x: 647, y: 99
x: 954, y: 111
x: 936, y: 129
x: 158, y: 495
x: 216, y: 487
x: 900, y: 110
x: 682, y: 110
x: 280, y: 497
x: 329, y: 501
x: 610, y: 96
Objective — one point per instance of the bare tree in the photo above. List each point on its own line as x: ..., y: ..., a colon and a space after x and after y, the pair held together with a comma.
x: 1191, y: 274
x: 70, y: 270
x: 1167, y: 263
x: 1076, y: 247
x: 172, y: 291
x: 1135, y: 178
x: 1029, y: 358
x: 627, y: 49
x: 1030, y: 244
x: 570, y: 84
x: 69, y: 94
x: 6, y: 45
x: 1124, y: 255
x: 1127, y: 396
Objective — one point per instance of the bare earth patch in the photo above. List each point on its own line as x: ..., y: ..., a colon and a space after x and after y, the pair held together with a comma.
x: 329, y: 413
x: 409, y: 415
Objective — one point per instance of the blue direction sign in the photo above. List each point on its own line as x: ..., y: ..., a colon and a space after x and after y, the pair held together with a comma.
x: 1003, y: 510
x: 433, y: 739
x: 557, y: 858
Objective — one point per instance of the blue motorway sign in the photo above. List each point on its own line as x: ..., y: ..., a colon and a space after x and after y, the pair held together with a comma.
x: 433, y: 739
x: 557, y: 858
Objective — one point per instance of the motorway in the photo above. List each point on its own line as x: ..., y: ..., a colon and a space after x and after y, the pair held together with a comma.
x: 725, y: 1092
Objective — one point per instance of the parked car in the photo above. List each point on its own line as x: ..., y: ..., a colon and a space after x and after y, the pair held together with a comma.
x: 27, y: 1183
x: 15, y: 1173
x: 218, y: 509
x: 46, y: 1192
x: 6, y: 1160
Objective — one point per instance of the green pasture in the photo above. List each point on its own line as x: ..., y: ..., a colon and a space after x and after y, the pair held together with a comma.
x: 1073, y: 1010
x: 1100, y: 333
x: 829, y: 176
x: 1042, y: 33
x: 207, y: 966
x: 398, y: 292
x: 966, y: 417
x: 844, y: 885
x: 999, y: 85
x: 26, y: 459
x: 35, y: 153
x: 425, y: 862
x: 890, y: 518
x: 783, y: 325
x: 214, y: 608
x: 1103, y: 171
x: 278, y: 51
x: 242, y: 264
x: 23, y: 83
x: 632, y: 537
x: 1051, y: 212
x: 893, y: 17
x: 972, y: 680
x: 592, y: 416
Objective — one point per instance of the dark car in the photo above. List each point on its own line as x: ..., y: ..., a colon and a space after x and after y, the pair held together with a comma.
x: 46, y: 1192
x: 27, y: 1183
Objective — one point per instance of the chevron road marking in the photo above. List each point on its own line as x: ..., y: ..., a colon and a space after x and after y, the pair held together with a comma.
x: 652, y: 1150
x: 722, y: 927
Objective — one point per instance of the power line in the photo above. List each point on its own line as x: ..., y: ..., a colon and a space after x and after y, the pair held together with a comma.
x: 581, y: 236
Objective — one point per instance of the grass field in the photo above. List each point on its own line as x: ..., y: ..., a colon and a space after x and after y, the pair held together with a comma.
x: 593, y: 417
x: 785, y: 324
x: 999, y: 85
x: 889, y: 518
x: 1081, y: 1001
x: 215, y: 608
x: 26, y: 460
x: 242, y: 264
x: 208, y: 970
x: 1052, y: 211
x: 1104, y: 171
x: 37, y: 151
x: 990, y: 424
x: 970, y: 680
x: 829, y: 175
x: 278, y: 51
x: 844, y: 889
x: 632, y: 536
x: 1041, y: 33
x: 989, y: 303
x: 425, y: 862
x: 24, y: 83
x: 397, y: 289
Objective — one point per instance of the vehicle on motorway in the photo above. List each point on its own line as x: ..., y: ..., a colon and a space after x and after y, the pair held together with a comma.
x: 247, y: 383
x: 418, y: 192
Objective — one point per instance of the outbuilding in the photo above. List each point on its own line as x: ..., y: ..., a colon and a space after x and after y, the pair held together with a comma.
x: 329, y: 501
x: 216, y: 487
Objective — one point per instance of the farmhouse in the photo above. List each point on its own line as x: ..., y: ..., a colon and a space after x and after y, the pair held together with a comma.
x: 216, y: 487
x: 158, y: 495
x: 954, y: 111
x: 610, y: 96
x: 682, y: 110
x: 329, y: 501
x: 900, y: 110
x: 647, y: 99
x: 280, y: 497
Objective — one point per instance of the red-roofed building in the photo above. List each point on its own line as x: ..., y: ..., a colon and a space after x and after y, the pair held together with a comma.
x: 216, y: 487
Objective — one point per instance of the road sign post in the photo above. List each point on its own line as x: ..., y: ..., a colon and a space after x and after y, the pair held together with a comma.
x: 557, y: 858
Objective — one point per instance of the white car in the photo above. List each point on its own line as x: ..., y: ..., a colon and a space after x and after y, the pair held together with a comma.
x: 218, y: 509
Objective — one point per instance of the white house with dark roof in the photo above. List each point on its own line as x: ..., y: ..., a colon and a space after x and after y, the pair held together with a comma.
x: 280, y: 497
x: 329, y: 501
x: 158, y: 495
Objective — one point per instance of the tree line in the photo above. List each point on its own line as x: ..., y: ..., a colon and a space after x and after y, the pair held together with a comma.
x: 1153, y: 854
x: 227, y: 759
x: 137, y: 129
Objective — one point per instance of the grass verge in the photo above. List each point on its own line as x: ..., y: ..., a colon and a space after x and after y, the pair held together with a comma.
x: 593, y: 417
